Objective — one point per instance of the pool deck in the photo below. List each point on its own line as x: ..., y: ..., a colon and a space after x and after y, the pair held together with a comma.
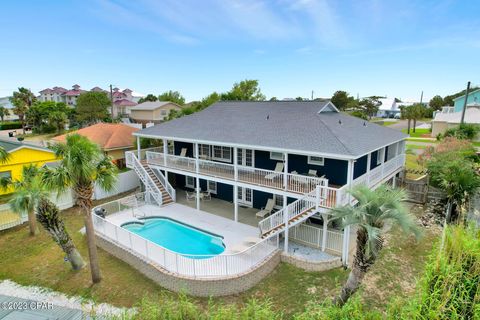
x: 234, y: 233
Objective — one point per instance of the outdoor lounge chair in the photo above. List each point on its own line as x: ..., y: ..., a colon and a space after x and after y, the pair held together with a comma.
x: 206, y: 196
x: 312, y: 173
x: 278, y: 168
x: 191, y: 196
x: 267, y: 209
x: 298, y: 177
x: 183, y: 152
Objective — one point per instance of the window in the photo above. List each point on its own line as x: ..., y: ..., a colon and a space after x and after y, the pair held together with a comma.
x: 6, y: 174
x: 278, y: 201
x: 212, y: 187
x: 190, y: 182
x: 277, y: 156
x: 222, y: 153
x: 380, y: 156
x: 204, y: 151
x: 319, y: 161
x: 163, y: 112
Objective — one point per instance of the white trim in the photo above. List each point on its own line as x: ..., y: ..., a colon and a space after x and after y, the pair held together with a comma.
x: 315, y: 162
x: 31, y: 147
x: 327, y: 105
x: 222, y: 159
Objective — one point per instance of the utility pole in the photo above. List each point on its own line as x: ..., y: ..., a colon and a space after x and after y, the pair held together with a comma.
x: 312, y: 95
x: 462, y: 120
x: 111, y: 100
x: 421, y: 97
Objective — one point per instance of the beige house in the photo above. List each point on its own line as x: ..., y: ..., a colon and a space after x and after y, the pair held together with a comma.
x: 152, y: 111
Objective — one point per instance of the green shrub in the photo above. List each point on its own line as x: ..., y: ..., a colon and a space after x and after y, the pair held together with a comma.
x: 463, y: 131
x: 11, y: 125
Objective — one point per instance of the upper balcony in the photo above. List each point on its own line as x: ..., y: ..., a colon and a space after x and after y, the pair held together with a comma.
x: 282, y: 180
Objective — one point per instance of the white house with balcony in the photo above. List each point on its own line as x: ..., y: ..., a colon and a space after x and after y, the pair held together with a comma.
x: 262, y: 175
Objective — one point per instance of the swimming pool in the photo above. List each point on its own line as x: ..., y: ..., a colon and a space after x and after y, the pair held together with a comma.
x: 178, y: 237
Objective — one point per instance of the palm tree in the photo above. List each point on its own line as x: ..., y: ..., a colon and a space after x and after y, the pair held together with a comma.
x: 48, y: 215
x: 3, y: 112
x: 27, y: 192
x: 375, y: 208
x: 82, y: 166
x: 22, y: 101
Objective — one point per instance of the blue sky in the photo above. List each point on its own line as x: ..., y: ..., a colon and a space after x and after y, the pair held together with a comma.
x: 372, y: 47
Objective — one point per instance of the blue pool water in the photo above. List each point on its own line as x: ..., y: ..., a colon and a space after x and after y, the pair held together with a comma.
x: 178, y: 237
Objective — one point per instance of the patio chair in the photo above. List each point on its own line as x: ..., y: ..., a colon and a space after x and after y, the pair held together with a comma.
x: 312, y: 173
x: 297, y: 177
x: 278, y: 171
x: 183, y: 152
x: 191, y: 196
x: 206, y: 196
x: 267, y: 209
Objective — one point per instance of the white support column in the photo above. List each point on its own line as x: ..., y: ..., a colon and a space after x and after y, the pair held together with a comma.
x: 197, y: 190
x: 346, y: 230
x: 285, y: 219
x: 235, y: 163
x: 285, y: 171
x: 394, y: 181
x: 195, y: 154
x: 138, y: 148
x: 369, y: 164
x: 235, y: 203
x: 165, y: 151
x: 325, y: 229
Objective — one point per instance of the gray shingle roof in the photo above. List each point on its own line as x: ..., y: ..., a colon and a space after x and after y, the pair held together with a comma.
x: 150, y: 105
x: 288, y: 125
x: 10, y: 144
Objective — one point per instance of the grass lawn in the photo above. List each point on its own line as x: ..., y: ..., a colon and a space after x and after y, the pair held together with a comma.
x: 39, y: 261
x: 38, y: 137
x: 419, y: 133
x: 411, y: 163
x: 427, y: 140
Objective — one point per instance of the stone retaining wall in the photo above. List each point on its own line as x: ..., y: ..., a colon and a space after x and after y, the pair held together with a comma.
x: 309, y: 265
x: 195, y: 287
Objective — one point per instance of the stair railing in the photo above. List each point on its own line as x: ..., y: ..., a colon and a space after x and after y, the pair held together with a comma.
x: 150, y: 186
x: 163, y: 180
x: 310, y: 201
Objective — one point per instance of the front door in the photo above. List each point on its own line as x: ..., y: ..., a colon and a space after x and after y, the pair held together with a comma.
x: 245, y: 196
x: 245, y: 157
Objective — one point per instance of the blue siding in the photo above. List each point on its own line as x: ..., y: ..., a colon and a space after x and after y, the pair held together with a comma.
x: 334, y: 170
x: 373, y: 163
x: 360, y: 167
x: 178, y: 146
x: 260, y: 198
x: 473, y: 96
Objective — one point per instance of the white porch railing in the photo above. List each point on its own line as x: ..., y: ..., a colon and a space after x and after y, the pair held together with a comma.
x: 313, y: 236
x: 210, y: 266
x: 378, y: 174
x: 10, y: 219
x: 133, y: 163
x: 266, y: 178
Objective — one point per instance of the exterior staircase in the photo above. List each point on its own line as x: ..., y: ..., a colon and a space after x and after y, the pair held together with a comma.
x: 166, y: 198
x: 293, y: 214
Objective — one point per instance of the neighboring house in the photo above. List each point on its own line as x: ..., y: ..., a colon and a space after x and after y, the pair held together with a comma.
x: 59, y: 94
x: 388, y: 108
x: 473, y: 97
x: 450, y: 118
x: 121, y: 98
x: 22, y: 154
x: 152, y: 111
x: 303, y: 155
x: 5, y: 102
x: 113, y: 138
x: 122, y: 102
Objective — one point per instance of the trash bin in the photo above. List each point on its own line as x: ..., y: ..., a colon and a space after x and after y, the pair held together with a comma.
x: 100, y: 212
x: 10, y: 134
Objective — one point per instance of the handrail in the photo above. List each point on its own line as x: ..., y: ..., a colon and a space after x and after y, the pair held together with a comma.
x: 184, y: 264
x: 150, y: 185
x: 283, y: 216
x: 168, y: 187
